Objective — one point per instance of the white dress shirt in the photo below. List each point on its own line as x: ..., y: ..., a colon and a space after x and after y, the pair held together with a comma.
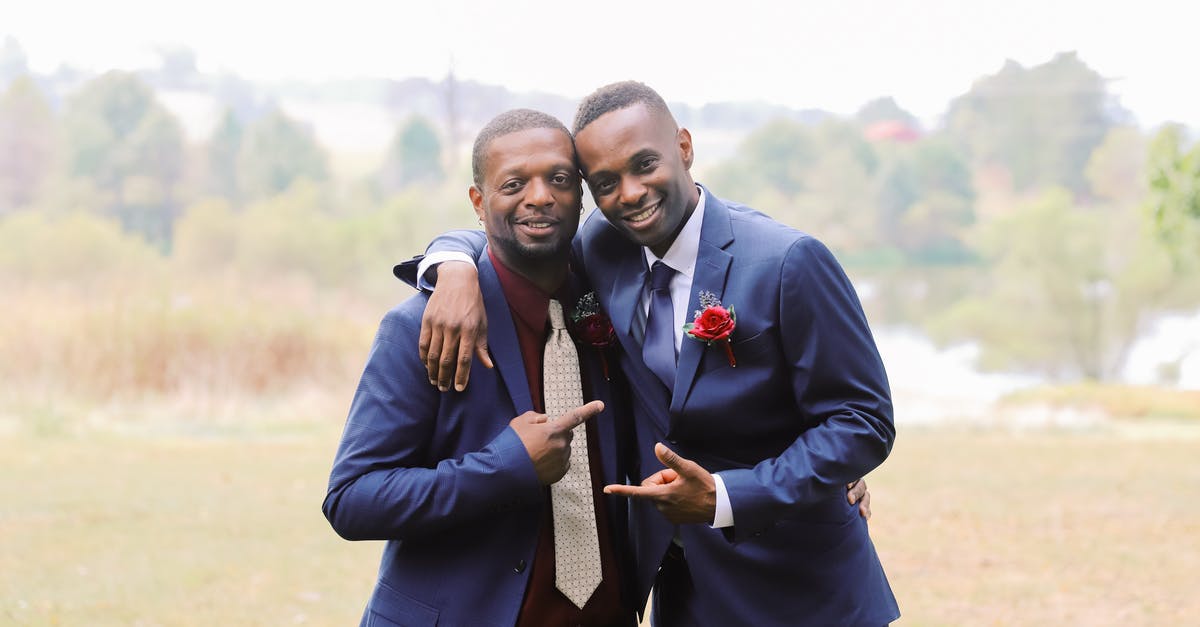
x: 681, y: 256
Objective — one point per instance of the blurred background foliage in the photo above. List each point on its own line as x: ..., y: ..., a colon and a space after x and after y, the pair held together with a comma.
x: 137, y: 261
x: 192, y: 266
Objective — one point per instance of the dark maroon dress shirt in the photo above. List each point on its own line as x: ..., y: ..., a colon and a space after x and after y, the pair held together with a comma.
x: 544, y: 605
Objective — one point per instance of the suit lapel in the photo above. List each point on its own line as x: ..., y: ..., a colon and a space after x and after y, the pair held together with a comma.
x: 502, y: 336
x: 625, y: 296
x: 712, y: 270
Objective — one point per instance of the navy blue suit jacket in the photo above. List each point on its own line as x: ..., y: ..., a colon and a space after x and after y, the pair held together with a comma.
x: 445, y: 480
x: 807, y: 410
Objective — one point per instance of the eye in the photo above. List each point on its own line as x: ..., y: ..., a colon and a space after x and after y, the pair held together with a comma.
x: 603, y: 186
x: 646, y: 163
x: 561, y: 178
x: 512, y: 185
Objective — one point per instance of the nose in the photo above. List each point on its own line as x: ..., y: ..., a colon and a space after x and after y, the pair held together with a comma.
x: 631, y: 191
x: 538, y: 193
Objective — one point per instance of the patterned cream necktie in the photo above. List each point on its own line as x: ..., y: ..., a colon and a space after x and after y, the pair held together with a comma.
x: 576, y: 543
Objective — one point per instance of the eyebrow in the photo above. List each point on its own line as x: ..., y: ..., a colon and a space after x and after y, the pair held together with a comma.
x: 644, y: 152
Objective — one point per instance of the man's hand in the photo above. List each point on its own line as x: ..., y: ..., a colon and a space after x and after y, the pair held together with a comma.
x: 548, y: 442
x: 454, y: 327
x: 857, y: 492
x: 683, y: 491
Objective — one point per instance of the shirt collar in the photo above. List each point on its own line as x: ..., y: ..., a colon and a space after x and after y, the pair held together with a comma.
x: 681, y: 256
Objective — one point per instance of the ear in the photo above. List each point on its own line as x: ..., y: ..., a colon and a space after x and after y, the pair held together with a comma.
x: 476, y: 201
x: 684, y: 139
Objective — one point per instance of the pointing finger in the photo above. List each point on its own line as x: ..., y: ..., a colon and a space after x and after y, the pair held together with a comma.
x: 579, y: 415
x: 631, y: 491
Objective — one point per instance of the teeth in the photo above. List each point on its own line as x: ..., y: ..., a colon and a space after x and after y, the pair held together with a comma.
x: 638, y: 217
x: 537, y: 225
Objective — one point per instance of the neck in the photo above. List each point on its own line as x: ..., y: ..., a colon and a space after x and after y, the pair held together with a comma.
x: 547, y: 273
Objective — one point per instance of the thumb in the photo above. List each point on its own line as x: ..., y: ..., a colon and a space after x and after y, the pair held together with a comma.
x: 672, y: 460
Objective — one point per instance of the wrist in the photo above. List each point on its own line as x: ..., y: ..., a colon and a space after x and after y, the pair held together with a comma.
x: 457, y: 269
x: 456, y: 266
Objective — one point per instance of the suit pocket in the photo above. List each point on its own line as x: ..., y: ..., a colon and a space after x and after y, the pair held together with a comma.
x: 391, y: 608
x: 745, y: 352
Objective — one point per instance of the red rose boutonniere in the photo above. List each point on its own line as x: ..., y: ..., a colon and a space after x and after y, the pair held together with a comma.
x: 593, y: 327
x: 713, y: 324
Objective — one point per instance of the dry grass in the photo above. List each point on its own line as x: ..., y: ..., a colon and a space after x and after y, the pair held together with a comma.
x: 980, y: 528
x: 1042, y: 528
x: 174, y: 532
x: 214, y: 338
x: 1124, y: 401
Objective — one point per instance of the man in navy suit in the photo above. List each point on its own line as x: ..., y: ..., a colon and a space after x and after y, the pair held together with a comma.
x: 741, y: 517
x: 454, y: 483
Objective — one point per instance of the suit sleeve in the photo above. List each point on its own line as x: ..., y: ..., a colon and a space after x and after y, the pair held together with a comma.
x: 839, y: 385
x: 465, y: 241
x: 384, y: 485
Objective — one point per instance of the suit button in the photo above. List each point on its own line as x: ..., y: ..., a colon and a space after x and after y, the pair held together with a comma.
x: 673, y: 441
x: 520, y: 567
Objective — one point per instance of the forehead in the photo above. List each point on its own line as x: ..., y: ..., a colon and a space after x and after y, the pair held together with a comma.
x: 621, y: 133
x: 529, y: 150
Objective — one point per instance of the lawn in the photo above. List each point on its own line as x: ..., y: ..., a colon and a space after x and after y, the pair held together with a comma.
x: 974, y: 528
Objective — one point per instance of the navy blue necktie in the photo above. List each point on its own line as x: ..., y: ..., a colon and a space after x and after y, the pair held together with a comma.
x: 658, y: 351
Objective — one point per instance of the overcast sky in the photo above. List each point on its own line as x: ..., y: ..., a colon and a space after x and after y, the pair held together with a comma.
x: 832, y: 55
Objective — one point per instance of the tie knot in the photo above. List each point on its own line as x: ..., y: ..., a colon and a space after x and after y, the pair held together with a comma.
x: 556, y: 315
x: 660, y: 275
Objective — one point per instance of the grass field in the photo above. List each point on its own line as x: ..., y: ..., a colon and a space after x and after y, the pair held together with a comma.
x: 974, y: 528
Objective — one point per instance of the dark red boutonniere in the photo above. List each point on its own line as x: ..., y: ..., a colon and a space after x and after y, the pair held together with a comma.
x: 713, y: 324
x: 593, y: 327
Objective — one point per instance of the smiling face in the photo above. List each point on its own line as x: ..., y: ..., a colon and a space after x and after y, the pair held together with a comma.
x: 637, y: 164
x: 529, y: 198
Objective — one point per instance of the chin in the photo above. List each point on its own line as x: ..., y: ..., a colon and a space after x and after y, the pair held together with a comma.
x: 545, y: 250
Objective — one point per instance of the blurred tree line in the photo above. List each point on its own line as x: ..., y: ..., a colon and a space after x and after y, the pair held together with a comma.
x: 1035, y: 220
x: 258, y: 196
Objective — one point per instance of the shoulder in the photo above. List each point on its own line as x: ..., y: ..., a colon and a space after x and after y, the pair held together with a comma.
x: 758, y: 235
x: 402, y: 323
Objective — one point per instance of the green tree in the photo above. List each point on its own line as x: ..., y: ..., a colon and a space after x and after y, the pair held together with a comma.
x: 1067, y: 289
x: 1040, y: 123
x: 1173, y: 172
x: 27, y: 143
x: 223, y: 148
x: 884, y: 110
x: 415, y: 156
x: 925, y: 201
x: 1116, y: 171
x: 276, y: 152
x: 817, y: 178
x: 119, y: 136
x: 777, y: 156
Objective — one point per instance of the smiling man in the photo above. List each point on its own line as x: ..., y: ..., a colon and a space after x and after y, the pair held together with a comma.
x: 491, y: 519
x: 746, y: 444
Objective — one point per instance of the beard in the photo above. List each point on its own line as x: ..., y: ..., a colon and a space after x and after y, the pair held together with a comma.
x: 524, y: 255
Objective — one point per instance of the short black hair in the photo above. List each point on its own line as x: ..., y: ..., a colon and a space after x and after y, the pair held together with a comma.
x: 618, y: 96
x: 510, y: 121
